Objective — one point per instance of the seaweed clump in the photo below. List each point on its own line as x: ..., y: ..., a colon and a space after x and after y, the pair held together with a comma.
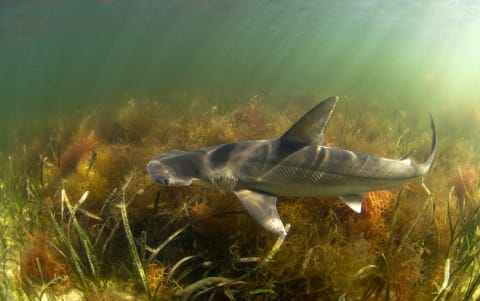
x: 41, y: 263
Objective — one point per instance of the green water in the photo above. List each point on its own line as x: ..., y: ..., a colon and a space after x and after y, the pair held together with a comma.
x: 57, y: 56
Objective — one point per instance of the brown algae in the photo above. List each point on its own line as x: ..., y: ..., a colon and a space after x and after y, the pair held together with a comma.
x: 405, y: 245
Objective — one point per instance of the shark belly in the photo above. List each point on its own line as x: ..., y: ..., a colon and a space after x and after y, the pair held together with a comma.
x: 293, y: 189
x: 299, y: 182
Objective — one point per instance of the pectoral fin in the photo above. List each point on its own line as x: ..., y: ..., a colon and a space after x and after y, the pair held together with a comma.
x: 263, y: 208
x: 353, y: 201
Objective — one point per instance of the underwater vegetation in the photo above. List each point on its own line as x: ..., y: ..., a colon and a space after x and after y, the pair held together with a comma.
x: 80, y: 216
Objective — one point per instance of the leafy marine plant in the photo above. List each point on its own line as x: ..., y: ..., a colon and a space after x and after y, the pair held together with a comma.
x: 127, y: 236
x: 461, y: 278
x: 11, y: 235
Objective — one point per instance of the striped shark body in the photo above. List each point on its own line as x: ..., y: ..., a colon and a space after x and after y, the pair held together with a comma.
x: 297, y: 164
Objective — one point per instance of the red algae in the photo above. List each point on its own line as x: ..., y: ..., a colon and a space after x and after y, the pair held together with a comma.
x: 82, y: 145
x: 330, y: 251
x: 374, y: 222
x: 41, y: 263
x: 464, y: 181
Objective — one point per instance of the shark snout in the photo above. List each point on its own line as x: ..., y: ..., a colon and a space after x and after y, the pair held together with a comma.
x: 165, y: 175
x: 158, y: 173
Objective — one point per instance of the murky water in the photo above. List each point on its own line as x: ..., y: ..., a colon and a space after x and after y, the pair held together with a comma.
x: 62, y: 54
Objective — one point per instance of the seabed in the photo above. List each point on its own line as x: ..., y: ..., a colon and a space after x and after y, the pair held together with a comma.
x: 81, y: 220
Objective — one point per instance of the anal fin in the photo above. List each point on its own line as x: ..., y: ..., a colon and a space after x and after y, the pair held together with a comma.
x: 263, y: 208
x: 353, y: 201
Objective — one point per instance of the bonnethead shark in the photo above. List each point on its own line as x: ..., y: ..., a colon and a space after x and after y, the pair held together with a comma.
x: 297, y: 164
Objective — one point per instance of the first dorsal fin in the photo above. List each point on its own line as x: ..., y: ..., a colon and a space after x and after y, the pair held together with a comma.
x: 309, y: 129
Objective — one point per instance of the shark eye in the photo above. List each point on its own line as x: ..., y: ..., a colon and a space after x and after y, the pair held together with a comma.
x: 167, y: 182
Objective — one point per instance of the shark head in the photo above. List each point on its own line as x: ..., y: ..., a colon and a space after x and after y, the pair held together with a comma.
x: 169, y: 170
